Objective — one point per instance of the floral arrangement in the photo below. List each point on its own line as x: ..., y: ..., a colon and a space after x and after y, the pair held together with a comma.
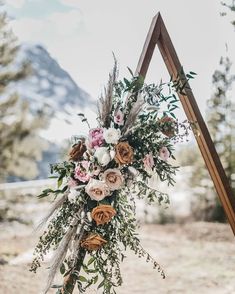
x: 92, y: 221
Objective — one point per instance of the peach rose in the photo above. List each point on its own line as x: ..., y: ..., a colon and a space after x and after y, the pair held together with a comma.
x: 97, y: 190
x: 102, y: 214
x: 93, y: 242
x: 124, y: 153
x: 113, y: 178
x: 77, y: 151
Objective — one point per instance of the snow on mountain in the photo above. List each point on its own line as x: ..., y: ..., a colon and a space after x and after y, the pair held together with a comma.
x: 49, y: 84
x: 51, y: 89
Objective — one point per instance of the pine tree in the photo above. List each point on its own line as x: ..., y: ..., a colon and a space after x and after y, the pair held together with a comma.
x: 221, y: 115
x: 20, y: 145
x: 230, y: 5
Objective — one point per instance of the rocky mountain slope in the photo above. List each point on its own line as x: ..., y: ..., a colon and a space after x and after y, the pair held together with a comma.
x: 49, y: 85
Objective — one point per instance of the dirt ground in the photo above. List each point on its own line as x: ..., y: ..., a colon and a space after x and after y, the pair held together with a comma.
x: 197, y: 258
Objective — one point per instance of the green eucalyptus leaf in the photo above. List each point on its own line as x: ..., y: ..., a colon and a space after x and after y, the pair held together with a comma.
x: 59, y: 182
x: 95, y: 279
x: 91, y: 260
x: 101, y: 284
x: 82, y: 279
x: 56, y: 286
x: 172, y: 114
x: 127, y: 82
x: 130, y: 71
x: 62, y: 269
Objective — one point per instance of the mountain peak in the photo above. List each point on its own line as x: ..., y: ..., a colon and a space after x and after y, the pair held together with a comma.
x: 49, y: 83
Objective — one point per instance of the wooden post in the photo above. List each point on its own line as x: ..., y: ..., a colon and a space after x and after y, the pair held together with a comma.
x: 159, y: 36
x: 70, y: 280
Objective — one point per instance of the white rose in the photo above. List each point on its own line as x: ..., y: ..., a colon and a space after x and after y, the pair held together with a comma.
x: 72, y: 195
x: 111, y: 135
x: 103, y: 156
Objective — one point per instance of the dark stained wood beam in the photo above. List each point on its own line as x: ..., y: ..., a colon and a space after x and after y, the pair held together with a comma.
x: 159, y: 36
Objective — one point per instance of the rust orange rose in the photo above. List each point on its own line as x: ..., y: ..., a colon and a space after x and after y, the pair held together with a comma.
x: 102, y: 214
x: 167, y: 125
x: 124, y: 153
x: 93, y: 242
x: 77, y: 151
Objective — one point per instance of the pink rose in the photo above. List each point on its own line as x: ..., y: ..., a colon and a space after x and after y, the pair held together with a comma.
x: 148, y: 162
x: 119, y: 117
x: 96, y: 138
x: 81, y: 172
x: 164, y: 153
x: 97, y: 190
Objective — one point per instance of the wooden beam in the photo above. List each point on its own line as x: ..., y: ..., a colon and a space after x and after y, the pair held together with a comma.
x: 159, y: 36
x: 149, y: 46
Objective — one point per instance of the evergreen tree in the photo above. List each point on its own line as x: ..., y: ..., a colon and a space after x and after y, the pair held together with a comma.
x: 20, y: 145
x: 221, y: 116
x: 230, y: 5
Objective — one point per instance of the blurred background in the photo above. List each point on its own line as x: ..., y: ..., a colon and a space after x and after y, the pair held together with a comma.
x: 55, y: 57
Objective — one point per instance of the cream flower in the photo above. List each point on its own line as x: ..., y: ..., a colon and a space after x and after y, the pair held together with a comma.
x: 111, y: 135
x: 113, y: 178
x: 103, y: 156
x: 97, y: 190
x: 72, y: 195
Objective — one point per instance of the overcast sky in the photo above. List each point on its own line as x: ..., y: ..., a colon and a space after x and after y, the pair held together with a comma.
x: 81, y: 35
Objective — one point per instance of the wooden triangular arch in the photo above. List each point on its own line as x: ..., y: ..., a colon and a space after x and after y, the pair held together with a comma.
x: 159, y: 36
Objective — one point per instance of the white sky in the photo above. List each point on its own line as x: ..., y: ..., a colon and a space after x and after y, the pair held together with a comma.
x: 81, y: 35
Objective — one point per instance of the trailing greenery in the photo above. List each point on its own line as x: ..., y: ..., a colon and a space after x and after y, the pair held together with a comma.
x: 120, y: 161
